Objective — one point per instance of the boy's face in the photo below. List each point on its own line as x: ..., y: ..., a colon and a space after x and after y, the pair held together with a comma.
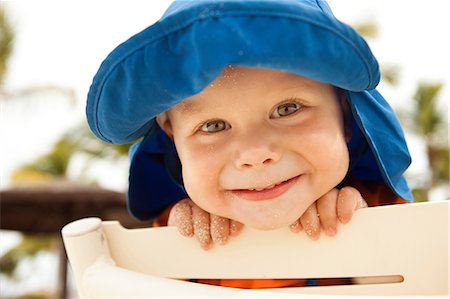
x: 259, y: 146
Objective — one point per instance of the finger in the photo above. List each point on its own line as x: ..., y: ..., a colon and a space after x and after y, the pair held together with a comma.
x: 296, y: 227
x: 200, y: 218
x: 349, y: 200
x: 235, y: 228
x: 220, y: 229
x: 326, y: 208
x: 310, y: 222
x: 181, y: 217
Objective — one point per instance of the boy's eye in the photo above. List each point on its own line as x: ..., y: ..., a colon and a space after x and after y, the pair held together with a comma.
x: 285, y: 109
x: 214, y: 126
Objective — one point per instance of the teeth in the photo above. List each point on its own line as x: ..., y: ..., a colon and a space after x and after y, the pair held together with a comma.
x: 268, y: 187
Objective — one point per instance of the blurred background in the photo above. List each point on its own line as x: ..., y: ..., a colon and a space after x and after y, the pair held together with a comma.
x: 52, y: 169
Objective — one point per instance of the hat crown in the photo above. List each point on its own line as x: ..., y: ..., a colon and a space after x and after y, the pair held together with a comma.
x: 183, y: 5
x: 194, y: 40
x: 215, y: 8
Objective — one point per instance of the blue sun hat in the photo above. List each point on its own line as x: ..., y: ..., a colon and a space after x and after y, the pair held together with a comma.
x: 189, y: 47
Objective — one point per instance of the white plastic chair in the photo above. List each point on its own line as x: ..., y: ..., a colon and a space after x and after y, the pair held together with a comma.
x: 411, y: 240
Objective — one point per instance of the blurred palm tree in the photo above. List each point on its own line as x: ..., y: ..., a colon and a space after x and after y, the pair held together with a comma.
x: 368, y: 29
x: 425, y: 120
x: 30, y: 245
x: 53, y: 165
x: 49, y: 167
x: 6, y: 42
x: 428, y: 121
x: 7, y: 38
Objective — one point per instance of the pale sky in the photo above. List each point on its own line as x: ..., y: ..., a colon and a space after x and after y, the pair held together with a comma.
x: 64, y: 42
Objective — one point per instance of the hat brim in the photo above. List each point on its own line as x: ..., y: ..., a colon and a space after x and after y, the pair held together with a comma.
x: 189, y: 47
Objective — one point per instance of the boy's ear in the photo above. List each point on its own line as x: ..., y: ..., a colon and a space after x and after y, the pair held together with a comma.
x: 164, y: 123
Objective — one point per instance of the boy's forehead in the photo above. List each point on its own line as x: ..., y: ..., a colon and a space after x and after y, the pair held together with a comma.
x: 190, y: 107
x: 235, y: 74
x: 243, y: 79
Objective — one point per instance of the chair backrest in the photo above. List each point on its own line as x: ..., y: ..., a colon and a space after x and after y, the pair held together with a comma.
x: 410, y: 240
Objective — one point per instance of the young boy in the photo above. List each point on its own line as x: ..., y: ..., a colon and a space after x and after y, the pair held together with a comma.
x: 259, y: 147
x: 267, y: 114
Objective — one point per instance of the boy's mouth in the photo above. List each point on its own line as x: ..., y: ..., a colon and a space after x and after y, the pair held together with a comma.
x: 267, y: 193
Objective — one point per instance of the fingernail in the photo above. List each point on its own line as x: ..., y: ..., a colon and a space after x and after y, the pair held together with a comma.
x: 331, y: 231
x: 206, y: 247
x: 313, y: 234
x: 344, y: 220
x: 295, y: 228
x: 220, y: 240
x: 187, y: 232
x: 315, y: 237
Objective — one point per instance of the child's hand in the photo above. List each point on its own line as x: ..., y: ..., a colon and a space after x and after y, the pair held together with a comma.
x: 207, y: 228
x: 324, y: 213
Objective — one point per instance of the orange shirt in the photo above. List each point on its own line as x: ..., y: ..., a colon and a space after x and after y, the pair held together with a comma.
x: 374, y: 193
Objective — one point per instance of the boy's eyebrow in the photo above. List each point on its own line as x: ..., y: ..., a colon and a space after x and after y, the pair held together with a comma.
x: 189, y: 108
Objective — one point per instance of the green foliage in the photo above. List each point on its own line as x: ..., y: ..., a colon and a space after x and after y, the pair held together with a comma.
x: 428, y: 121
x: 426, y: 115
x: 367, y: 29
x: 56, y: 161
x: 420, y: 195
x: 439, y: 158
x: 6, y: 42
x: 390, y: 74
x: 78, y: 140
x: 29, y: 246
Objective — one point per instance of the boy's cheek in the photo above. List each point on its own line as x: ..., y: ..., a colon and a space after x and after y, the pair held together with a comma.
x: 192, y: 151
x: 322, y: 142
x: 200, y: 178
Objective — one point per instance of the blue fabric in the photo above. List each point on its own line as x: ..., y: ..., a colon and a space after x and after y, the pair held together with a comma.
x: 189, y: 46
x: 387, y: 157
x: 155, y: 176
x: 311, y: 282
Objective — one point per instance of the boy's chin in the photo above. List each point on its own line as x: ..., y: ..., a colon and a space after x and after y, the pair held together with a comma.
x: 275, y: 220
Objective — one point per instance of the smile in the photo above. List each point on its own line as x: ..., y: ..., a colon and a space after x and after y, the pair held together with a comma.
x: 267, y: 193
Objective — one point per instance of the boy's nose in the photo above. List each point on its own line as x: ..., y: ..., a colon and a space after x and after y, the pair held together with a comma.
x: 256, y: 155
